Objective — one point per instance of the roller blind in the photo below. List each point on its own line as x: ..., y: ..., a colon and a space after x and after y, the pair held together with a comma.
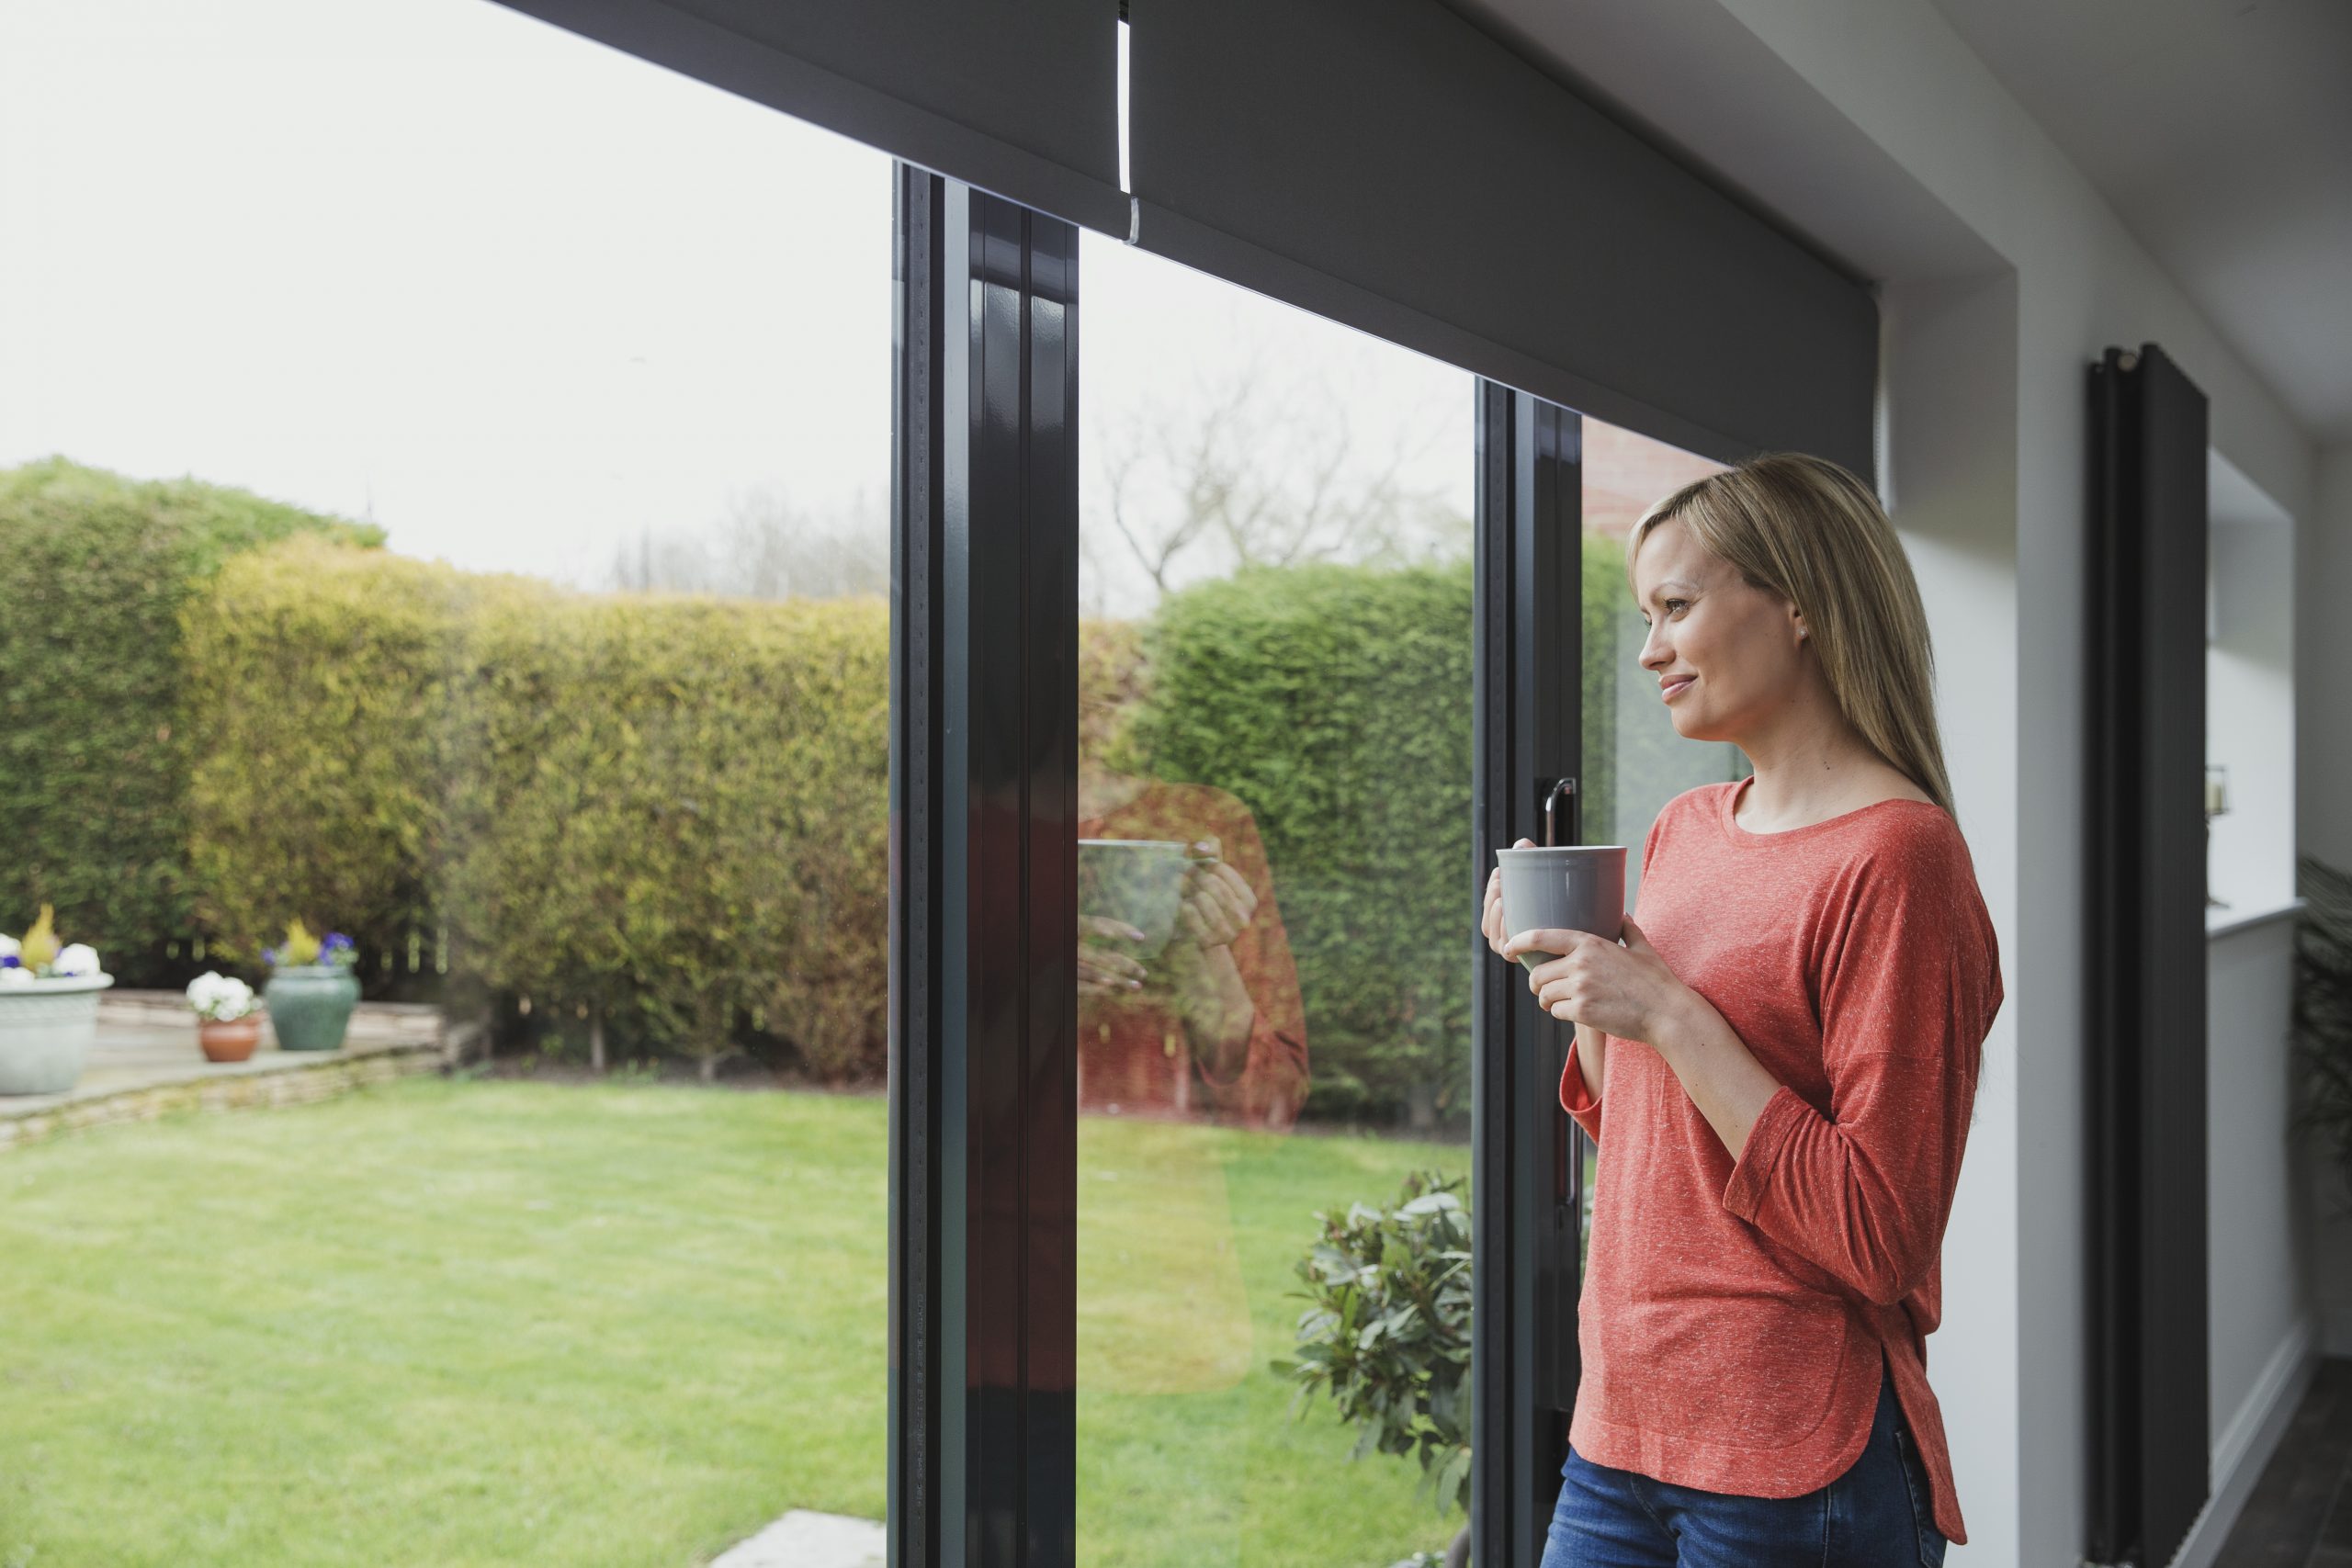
x: 1388, y: 163
x: 1016, y: 96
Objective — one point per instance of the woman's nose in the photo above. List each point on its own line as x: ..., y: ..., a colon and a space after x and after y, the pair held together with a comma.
x: 1655, y: 654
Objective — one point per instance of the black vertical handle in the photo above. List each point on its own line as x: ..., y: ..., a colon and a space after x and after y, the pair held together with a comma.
x: 1562, y: 801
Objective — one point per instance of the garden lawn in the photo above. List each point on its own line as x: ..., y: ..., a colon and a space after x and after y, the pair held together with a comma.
x: 456, y: 1323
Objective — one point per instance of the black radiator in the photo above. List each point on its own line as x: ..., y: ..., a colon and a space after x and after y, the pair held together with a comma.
x: 2145, y: 841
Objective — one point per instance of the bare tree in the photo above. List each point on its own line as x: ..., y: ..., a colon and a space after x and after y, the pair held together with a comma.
x: 764, y: 547
x: 1261, y: 471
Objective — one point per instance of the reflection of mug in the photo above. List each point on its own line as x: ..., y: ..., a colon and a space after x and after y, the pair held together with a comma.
x: 1576, y: 887
x: 1139, y: 881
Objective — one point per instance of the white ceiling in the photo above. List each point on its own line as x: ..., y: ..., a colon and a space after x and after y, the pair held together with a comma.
x: 2220, y: 131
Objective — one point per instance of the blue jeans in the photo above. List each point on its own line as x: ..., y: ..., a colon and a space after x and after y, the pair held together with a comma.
x: 1874, y: 1516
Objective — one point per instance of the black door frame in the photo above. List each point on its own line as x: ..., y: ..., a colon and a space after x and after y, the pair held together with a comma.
x: 1527, y: 1191
x: 983, y: 1011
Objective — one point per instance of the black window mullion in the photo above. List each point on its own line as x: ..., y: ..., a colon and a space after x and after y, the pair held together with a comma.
x: 984, y: 787
x: 1528, y: 736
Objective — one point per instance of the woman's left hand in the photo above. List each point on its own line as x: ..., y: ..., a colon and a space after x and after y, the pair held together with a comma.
x: 1625, y: 990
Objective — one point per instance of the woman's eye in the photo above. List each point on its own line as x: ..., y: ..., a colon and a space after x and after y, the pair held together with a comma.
x: 1674, y: 604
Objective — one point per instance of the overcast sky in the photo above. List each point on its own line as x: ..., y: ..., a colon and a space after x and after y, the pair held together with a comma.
x: 513, y: 295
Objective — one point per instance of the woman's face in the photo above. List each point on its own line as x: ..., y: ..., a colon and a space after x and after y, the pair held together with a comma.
x: 1727, y: 654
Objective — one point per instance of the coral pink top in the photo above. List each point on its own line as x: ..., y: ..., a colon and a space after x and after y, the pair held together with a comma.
x: 1733, y: 1315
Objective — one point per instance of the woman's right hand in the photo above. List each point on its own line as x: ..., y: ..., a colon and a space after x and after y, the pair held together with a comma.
x: 1490, y: 923
x: 1103, y: 969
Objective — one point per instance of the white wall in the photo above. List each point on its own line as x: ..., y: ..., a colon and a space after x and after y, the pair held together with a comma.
x: 1869, y: 125
x: 2250, y: 697
x: 2259, y: 1211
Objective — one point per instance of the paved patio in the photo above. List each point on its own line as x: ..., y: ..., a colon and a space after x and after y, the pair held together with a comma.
x: 145, y: 1063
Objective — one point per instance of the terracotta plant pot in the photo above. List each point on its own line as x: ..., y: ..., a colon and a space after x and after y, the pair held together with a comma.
x: 231, y: 1041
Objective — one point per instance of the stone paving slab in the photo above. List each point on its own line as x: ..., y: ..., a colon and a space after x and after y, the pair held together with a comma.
x: 145, y: 1063
x: 803, y: 1540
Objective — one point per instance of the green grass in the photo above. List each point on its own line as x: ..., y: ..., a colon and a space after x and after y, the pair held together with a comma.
x: 456, y: 1323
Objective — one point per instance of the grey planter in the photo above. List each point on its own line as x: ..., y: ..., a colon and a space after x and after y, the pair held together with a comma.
x: 45, y: 1032
x: 310, y: 1006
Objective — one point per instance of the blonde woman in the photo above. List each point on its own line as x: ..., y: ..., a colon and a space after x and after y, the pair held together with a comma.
x: 1779, y: 1062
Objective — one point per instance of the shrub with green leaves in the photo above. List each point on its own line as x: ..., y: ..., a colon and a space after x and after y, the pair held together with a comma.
x: 2323, y: 1010
x: 323, y: 680
x: 673, y: 813
x: 1386, y: 1330
x: 668, y: 814
x: 95, y: 729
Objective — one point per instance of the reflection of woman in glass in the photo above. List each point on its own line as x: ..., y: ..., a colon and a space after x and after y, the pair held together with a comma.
x: 1778, y: 1062
x: 1211, y: 1026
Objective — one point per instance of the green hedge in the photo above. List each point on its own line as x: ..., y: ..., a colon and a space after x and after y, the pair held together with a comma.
x: 668, y: 814
x: 326, y: 682
x: 1335, y: 703
x: 674, y: 815
x: 93, y: 724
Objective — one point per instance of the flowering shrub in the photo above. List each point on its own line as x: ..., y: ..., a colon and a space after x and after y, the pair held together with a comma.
x: 220, y: 998
x: 37, y: 955
x: 300, y: 949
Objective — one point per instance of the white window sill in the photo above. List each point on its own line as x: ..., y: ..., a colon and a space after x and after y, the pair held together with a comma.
x: 2220, y: 923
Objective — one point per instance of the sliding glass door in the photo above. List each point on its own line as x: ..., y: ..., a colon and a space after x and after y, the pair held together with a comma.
x: 1273, y: 837
x: 1235, y: 1218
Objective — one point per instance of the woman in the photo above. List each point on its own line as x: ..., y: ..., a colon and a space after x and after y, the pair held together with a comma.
x: 1778, y: 1062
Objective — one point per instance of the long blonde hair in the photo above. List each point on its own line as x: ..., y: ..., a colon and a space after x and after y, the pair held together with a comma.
x: 1810, y: 531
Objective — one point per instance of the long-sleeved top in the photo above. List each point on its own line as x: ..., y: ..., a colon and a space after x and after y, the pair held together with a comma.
x: 1733, y: 1313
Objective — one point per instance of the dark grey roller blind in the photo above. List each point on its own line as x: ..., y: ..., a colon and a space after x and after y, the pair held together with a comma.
x: 1386, y: 163
x: 1016, y: 96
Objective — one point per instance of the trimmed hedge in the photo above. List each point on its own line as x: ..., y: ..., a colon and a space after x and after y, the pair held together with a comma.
x: 1335, y: 703
x: 665, y: 814
x: 674, y: 815
x: 94, y: 725
x: 326, y: 681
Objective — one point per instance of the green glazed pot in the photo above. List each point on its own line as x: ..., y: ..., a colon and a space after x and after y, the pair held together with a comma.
x: 310, y: 1006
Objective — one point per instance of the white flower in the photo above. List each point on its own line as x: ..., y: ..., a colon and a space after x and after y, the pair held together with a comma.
x: 221, y: 998
x: 9, y: 947
x: 81, y: 958
x: 15, y: 975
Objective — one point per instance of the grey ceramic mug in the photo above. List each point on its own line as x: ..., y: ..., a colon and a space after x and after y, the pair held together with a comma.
x: 1578, y: 888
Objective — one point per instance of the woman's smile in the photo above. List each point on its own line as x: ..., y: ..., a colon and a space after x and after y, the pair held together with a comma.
x: 1673, y: 687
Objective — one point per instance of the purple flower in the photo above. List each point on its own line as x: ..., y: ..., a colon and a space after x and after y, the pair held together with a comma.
x: 11, y: 961
x: 269, y: 956
x: 336, y: 942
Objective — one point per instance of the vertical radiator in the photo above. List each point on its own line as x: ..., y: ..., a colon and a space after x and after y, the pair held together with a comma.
x: 2145, y: 839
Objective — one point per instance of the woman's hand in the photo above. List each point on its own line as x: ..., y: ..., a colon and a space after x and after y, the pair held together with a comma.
x: 1490, y: 923
x: 1626, y: 991
x: 1218, y: 900
x: 1103, y: 968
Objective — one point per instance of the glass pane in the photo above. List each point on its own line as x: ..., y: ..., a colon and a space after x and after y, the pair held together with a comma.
x: 1276, y: 770
x: 470, y: 538
x: 1633, y: 761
